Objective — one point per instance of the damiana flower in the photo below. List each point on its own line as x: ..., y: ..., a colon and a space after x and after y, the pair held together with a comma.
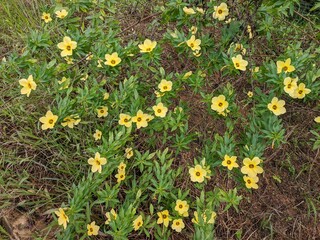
x: 204, y: 217
x: 193, y: 30
x: 249, y: 31
x: 239, y: 48
x: 67, y: 46
x: 112, y: 60
x: 290, y: 85
x: 65, y: 82
x: 97, y: 162
x: 277, y: 106
x: 112, y: 215
x: 102, y: 111
x: 230, y: 162
x: 251, y: 167
x: 128, y: 153
x: 163, y: 218
x: 182, y: 208
x: 317, y: 119
x: 165, y: 86
x: 219, y: 104
x: 137, y: 223
x: 160, y: 110
x: 200, y: 10
x: 62, y: 218
x: 197, y: 53
x: 122, y: 167
x: 285, y: 66
x: 178, y: 225
x: 97, y: 135
x: 84, y: 76
x: 187, y: 75
x: 140, y: 119
x: 69, y: 60
x: 27, y: 85
x: 188, y: 11
x: 251, y: 182
x: 194, y: 43
x: 147, y: 46
x: 220, y: 12
x: 70, y: 121
x: 120, y: 176
x: 46, y: 17
x: 301, y: 91
x: 239, y: 63
x: 48, y: 121
x: 99, y: 63
x: 197, y: 174
x: 106, y: 96
x: 250, y: 94
x: 93, y: 229
x: 125, y: 120
x: 61, y: 14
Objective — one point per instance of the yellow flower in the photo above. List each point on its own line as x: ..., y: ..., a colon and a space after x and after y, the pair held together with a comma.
x: 220, y: 12
x: 163, y: 218
x: 277, y: 106
x: 290, y: 85
x: 112, y: 215
x: 46, y: 17
x: 70, y: 121
x: 250, y: 94
x: 48, y: 120
x: 249, y: 31
x: 285, y: 66
x: 28, y: 85
x: 128, y: 153
x: 193, y: 30
x: 204, y: 216
x: 182, y: 208
x: 106, y: 96
x: 112, y: 60
x: 177, y: 225
x: 97, y: 162
x: 90, y: 56
x: 160, y: 110
x: 230, y: 162
x: 67, y: 46
x: 301, y: 91
x: 158, y: 94
x: 317, y: 119
x: 188, y: 11
x: 239, y: 63
x: 140, y: 119
x: 165, y: 86
x: 147, y: 46
x: 219, y: 103
x: 64, y: 82
x: 239, y: 48
x: 120, y: 176
x: 197, y: 53
x: 200, y: 10
x: 84, y: 77
x: 61, y: 14
x: 93, y: 229
x: 197, y: 174
x: 69, y: 60
x: 137, y: 223
x: 212, y: 217
x: 251, y: 167
x: 102, y: 111
x: 187, y: 75
x: 251, y: 182
x: 99, y: 63
x: 194, y: 43
x: 62, y: 218
x: 125, y: 120
x: 122, y: 167
x: 97, y: 135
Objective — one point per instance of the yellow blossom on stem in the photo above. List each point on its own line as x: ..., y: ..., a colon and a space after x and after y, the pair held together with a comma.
x: 62, y: 218
x: 195, y: 219
x: 250, y: 94
x: 187, y: 75
x: 97, y: 162
x: 128, y: 153
x: 285, y: 66
x: 120, y: 176
x: 163, y: 218
x: 219, y: 104
x: 165, y: 86
x: 61, y: 13
x: 193, y: 30
x: 125, y: 120
x: 239, y: 63
x: 251, y: 167
x: 97, y: 135
x: 48, y: 121
x: 200, y: 10
x: 106, y: 96
x: 178, y: 225
x: 46, y: 17
x: 93, y: 229
x: 27, y: 85
x: 317, y: 119
x: 122, y: 167
x: 290, y: 85
x: 67, y: 46
x: 160, y: 110
x: 194, y: 43
x: 140, y: 119
x: 301, y: 91
x: 64, y: 82
x: 70, y: 121
x: 230, y: 162
x: 112, y: 60
x: 277, y: 106
x: 220, y: 12
x: 182, y: 208
x: 251, y: 182
x: 137, y: 223
x: 147, y: 46
x: 102, y: 111
x: 112, y: 215
x: 197, y: 174
x: 188, y: 11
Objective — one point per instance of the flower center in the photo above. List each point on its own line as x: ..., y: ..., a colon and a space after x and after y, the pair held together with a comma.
x: 51, y: 121
x: 191, y: 45
x: 46, y: 17
x: 148, y: 49
x: 121, y: 176
x: 289, y: 85
x: 180, y: 206
x: 126, y: 120
x: 164, y: 216
x: 220, y: 104
x: 101, y: 111
x: 228, y: 162
x: 177, y: 223
x: 68, y: 47
x: 91, y: 229
x: 274, y: 107
x: 300, y: 91
x: 251, y: 166
x: 159, y: 110
x: 249, y: 181
x: 220, y: 11
x: 113, y: 61
x: 138, y: 224
x: 29, y: 85
x: 237, y: 65
x: 165, y: 87
x: 98, y: 162
x: 198, y: 174
x: 139, y: 119
x: 285, y: 68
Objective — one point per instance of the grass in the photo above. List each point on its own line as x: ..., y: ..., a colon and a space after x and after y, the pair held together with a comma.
x: 38, y: 170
